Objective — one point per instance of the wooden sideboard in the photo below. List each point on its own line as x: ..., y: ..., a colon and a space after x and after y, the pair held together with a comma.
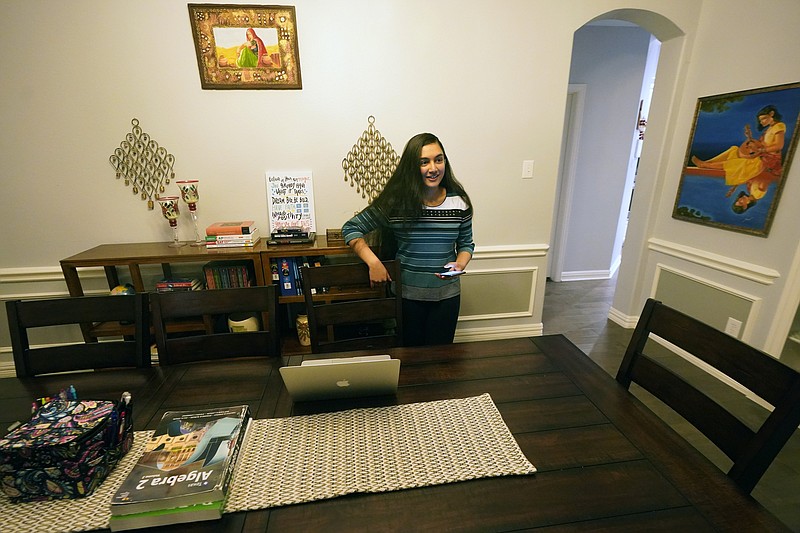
x: 133, y: 255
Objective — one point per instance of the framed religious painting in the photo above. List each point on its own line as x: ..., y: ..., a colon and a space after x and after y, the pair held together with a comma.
x: 246, y: 46
x: 740, y: 149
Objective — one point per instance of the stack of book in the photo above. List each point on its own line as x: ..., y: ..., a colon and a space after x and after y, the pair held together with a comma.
x: 185, y: 471
x: 178, y: 284
x: 228, y: 274
x: 291, y: 236
x: 232, y: 234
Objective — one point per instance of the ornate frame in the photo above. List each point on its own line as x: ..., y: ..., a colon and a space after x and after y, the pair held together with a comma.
x: 715, y: 196
x: 222, y: 37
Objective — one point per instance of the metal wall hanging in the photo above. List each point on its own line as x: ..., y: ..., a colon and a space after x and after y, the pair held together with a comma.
x: 144, y: 165
x: 370, y: 163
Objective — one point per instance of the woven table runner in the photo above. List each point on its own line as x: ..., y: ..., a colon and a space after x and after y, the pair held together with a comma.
x: 307, y: 458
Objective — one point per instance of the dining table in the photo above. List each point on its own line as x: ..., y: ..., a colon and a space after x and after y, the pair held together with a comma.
x: 603, y: 460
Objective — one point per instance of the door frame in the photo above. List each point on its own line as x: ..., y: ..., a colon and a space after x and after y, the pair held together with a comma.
x: 573, y: 122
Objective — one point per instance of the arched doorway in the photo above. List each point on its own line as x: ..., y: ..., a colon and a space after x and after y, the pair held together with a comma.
x: 615, y: 80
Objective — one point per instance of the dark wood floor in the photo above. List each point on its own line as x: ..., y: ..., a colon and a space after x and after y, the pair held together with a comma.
x: 579, y: 310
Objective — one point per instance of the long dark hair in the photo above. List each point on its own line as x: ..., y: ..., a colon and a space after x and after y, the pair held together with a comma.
x: 776, y: 116
x: 402, y: 196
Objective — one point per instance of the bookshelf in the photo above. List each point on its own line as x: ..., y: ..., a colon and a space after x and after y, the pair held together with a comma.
x: 131, y: 256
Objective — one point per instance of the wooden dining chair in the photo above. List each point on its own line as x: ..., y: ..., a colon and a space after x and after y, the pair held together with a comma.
x: 26, y: 316
x: 180, y: 345
x: 751, y: 450
x: 345, y: 313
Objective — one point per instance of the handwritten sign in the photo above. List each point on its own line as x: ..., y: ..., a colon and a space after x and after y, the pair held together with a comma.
x: 290, y: 197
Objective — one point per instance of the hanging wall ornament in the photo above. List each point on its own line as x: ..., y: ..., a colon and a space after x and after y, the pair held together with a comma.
x: 370, y: 163
x: 145, y: 166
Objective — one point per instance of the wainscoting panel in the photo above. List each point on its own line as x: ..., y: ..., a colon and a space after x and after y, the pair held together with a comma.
x: 705, y: 300
x: 502, y: 293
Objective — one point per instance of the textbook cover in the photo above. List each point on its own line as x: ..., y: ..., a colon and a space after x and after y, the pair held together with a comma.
x: 189, y: 460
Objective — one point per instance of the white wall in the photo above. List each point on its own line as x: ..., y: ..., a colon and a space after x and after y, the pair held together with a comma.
x: 489, y: 79
x: 610, y: 61
x: 757, y: 267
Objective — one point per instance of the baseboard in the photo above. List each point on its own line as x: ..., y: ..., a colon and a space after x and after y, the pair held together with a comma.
x: 586, y: 275
x: 496, y: 333
x: 626, y: 321
x: 7, y: 369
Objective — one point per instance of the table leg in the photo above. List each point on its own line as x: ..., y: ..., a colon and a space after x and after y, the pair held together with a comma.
x: 72, y: 280
x: 136, y: 277
x: 112, y: 277
x: 166, y: 268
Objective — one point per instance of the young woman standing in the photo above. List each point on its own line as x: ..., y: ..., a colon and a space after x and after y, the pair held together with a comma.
x: 423, y: 218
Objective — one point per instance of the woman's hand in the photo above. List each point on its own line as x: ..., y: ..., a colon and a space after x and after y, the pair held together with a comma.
x: 378, y: 275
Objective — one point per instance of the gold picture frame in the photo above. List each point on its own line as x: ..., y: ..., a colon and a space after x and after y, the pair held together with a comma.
x: 246, y: 46
x: 740, y: 149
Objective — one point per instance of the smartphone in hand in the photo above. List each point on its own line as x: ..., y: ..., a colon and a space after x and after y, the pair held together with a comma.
x: 450, y: 273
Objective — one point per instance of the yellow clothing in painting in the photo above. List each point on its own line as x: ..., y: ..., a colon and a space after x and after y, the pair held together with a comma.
x: 769, y: 135
x: 757, y: 187
x: 737, y: 169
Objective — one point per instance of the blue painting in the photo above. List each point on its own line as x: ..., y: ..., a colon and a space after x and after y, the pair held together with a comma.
x: 739, y: 153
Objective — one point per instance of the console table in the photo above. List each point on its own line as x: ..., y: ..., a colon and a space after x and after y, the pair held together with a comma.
x: 133, y: 255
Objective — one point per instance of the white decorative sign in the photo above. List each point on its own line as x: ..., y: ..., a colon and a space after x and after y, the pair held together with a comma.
x: 290, y: 198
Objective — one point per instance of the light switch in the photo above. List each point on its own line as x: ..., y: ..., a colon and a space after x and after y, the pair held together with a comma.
x: 527, y: 169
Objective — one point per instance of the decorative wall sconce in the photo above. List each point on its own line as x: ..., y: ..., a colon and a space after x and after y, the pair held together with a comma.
x: 144, y: 165
x: 370, y: 163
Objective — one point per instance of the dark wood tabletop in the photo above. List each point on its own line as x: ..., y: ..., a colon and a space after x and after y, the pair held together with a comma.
x: 604, y: 461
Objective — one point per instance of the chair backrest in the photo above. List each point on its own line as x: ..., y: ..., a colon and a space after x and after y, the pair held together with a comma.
x: 345, y: 313
x: 752, y: 451
x: 176, y: 344
x: 87, y: 311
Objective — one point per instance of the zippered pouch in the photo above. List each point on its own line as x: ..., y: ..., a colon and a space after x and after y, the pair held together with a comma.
x: 66, y: 450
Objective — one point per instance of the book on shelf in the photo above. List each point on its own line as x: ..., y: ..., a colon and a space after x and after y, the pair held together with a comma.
x: 291, y: 231
x: 230, y: 244
x: 273, y: 267
x: 229, y: 274
x: 178, y: 284
x: 246, y: 237
x: 233, y: 241
x: 187, y: 463
x: 292, y: 239
x: 287, y: 273
x: 288, y: 278
x: 238, y: 227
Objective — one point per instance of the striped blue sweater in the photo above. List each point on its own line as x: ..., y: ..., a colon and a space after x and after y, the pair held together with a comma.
x: 424, y: 246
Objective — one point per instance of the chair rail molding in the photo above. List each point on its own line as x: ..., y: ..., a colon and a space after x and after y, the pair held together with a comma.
x: 31, y: 275
x: 742, y: 269
x: 511, y: 251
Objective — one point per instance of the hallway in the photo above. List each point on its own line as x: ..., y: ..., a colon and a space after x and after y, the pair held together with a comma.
x: 579, y: 311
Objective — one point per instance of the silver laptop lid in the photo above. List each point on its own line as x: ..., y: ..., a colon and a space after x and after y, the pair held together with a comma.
x: 342, y: 378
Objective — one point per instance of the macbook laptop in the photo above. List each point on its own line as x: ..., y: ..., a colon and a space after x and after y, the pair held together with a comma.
x: 347, y: 377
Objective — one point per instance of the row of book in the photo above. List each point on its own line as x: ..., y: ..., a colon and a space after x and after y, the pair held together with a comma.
x: 229, y: 274
x: 287, y: 273
x: 185, y: 472
x: 178, y: 285
x: 233, y: 234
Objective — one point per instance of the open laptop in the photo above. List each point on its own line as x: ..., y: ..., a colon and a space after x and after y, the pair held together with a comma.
x: 347, y: 377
